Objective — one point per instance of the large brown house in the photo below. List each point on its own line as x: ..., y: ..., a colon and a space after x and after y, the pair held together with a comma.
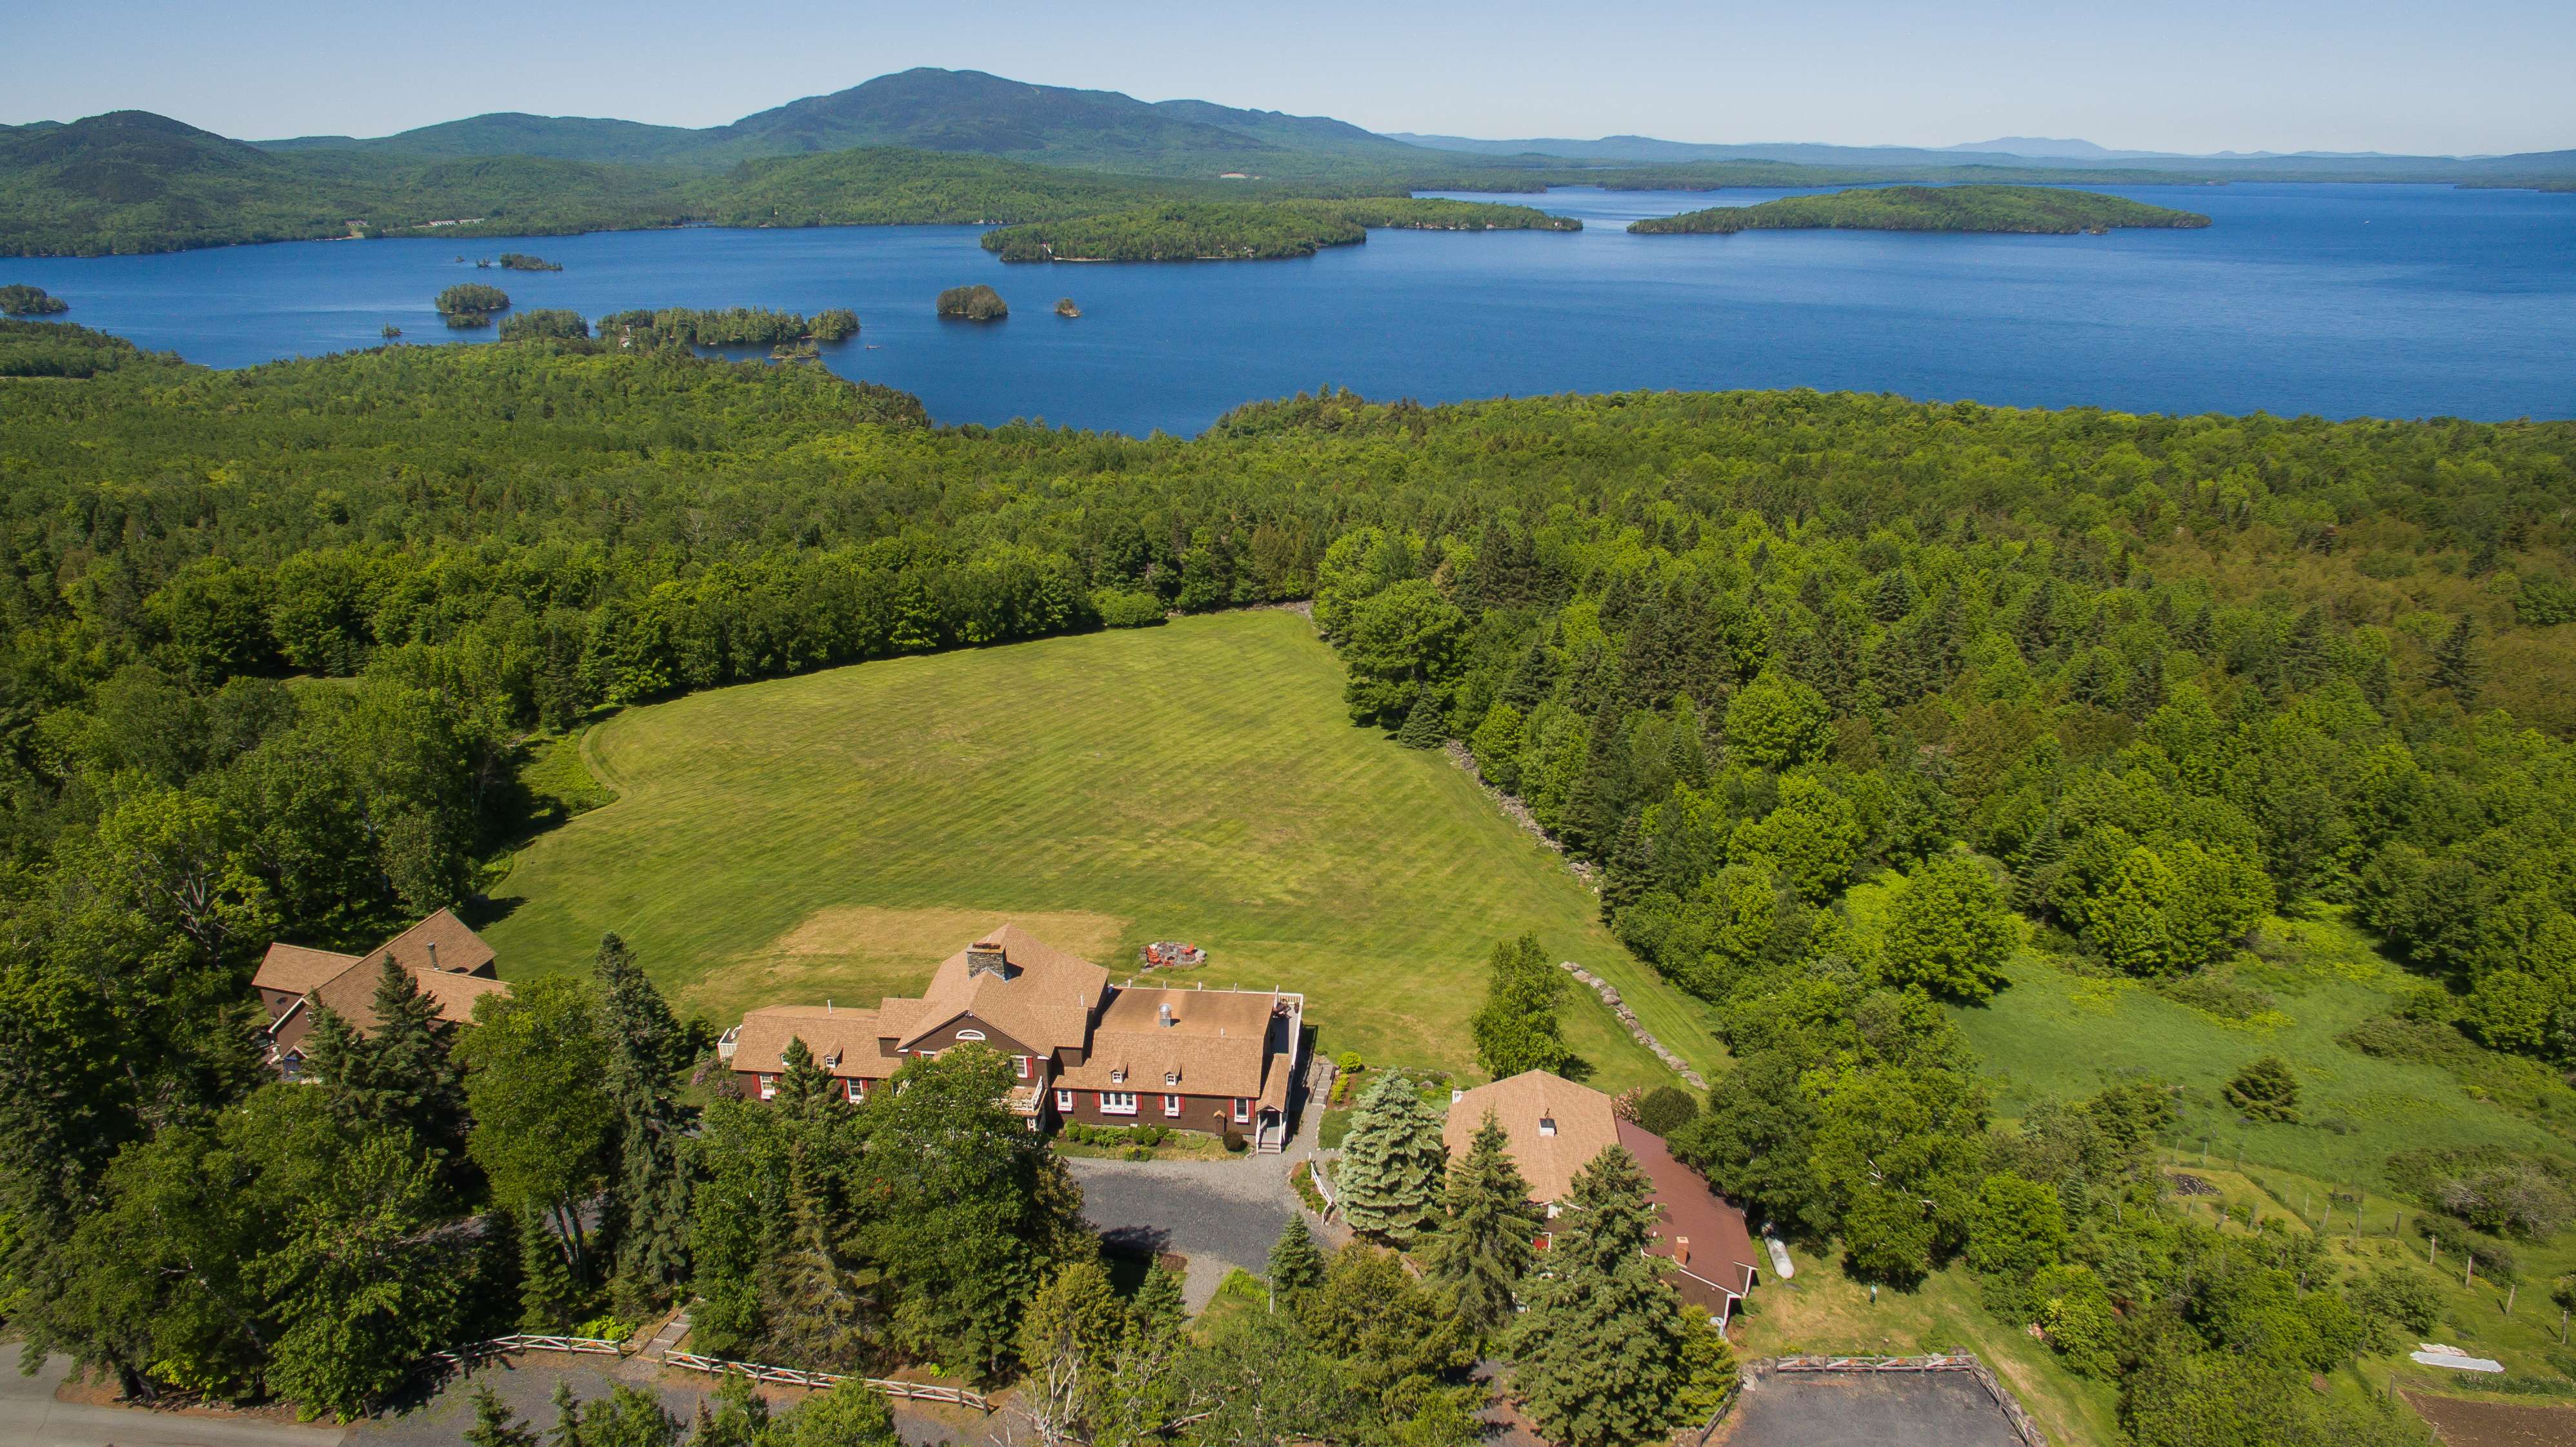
x: 449, y: 962
x: 1557, y: 1127
x: 1082, y: 1048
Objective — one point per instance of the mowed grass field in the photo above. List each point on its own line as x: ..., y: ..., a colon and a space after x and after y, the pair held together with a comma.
x: 837, y: 835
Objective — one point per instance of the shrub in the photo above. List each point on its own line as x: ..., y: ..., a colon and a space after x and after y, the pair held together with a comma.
x: 2266, y: 1090
x: 1665, y: 1109
x: 1119, y: 608
x: 2400, y: 1296
x: 1234, y: 1141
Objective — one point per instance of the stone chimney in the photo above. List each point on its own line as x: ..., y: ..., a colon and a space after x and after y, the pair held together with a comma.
x: 984, y: 957
x: 433, y: 954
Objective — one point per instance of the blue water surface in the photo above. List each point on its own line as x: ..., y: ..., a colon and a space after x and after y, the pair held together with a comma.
x: 2342, y: 300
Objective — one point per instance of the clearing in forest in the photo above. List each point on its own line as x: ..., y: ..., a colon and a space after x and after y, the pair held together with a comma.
x: 836, y: 835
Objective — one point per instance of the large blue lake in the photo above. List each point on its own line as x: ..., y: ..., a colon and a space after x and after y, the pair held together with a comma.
x: 2400, y: 301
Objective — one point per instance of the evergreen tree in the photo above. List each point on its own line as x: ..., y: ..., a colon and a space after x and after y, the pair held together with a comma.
x: 816, y: 1313
x: 547, y: 1298
x: 652, y: 1190
x: 1532, y: 677
x: 2455, y: 664
x: 1392, y: 1163
x: 401, y: 1075
x: 1605, y: 1356
x: 566, y: 1431
x: 1589, y: 824
x: 1477, y: 1256
x: 1424, y: 727
x: 1158, y: 1308
x: 494, y: 1425
x: 1296, y: 1266
x: 1517, y: 1028
x: 804, y: 1091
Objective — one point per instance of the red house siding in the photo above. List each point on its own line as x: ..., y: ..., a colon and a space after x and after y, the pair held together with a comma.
x: 1211, y: 1113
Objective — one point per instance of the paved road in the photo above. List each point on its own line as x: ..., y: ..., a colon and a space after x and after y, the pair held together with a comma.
x: 30, y: 1417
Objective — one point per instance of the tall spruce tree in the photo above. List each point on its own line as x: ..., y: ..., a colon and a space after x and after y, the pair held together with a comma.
x: 653, y: 1181
x: 817, y: 1314
x: 1423, y: 726
x: 804, y: 1091
x: 2455, y: 663
x: 402, y: 1074
x: 1393, y: 1163
x: 1296, y: 1266
x: 1605, y: 1355
x: 1477, y: 1256
x: 1517, y: 1028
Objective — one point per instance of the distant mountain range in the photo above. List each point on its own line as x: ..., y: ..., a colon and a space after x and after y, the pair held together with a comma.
x: 930, y: 145
x: 2024, y: 152
x: 929, y: 110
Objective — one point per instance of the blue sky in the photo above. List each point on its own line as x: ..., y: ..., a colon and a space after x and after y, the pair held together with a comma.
x: 2460, y: 77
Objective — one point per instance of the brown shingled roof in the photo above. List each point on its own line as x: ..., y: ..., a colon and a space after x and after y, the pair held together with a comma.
x: 297, y: 969
x: 846, y: 1039
x: 352, y: 994
x: 1045, y: 1002
x: 1582, y: 1127
x: 441, y: 942
x: 1218, y: 1043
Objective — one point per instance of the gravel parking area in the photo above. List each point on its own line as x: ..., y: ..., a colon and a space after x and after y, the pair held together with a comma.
x: 1816, y: 1409
x: 1219, y: 1214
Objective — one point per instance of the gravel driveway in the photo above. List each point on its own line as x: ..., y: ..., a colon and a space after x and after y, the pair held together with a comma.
x: 1219, y: 1214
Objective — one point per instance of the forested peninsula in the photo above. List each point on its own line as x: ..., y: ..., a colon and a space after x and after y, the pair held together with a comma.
x: 1251, y: 231
x: 2046, y: 210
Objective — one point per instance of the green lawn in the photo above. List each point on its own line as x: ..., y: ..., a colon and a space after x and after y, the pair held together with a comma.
x: 836, y: 835
x: 2056, y: 1034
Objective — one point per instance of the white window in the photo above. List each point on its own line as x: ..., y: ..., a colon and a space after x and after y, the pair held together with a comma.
x: 1242, y: 1110
x: 858, y: 1091
x: 1171, y: 1105
x: 964, y: 1035
x: 1117, y: 1102
x: 1064, y: 1100
x: 768, y: 1086
x: 1023, y: 1064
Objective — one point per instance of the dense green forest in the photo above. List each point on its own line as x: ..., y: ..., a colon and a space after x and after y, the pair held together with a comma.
x: 1247, y: 231
x: 2044, y: 209
x: 276, y: 638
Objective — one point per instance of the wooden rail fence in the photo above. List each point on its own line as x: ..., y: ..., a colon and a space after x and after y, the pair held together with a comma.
x: 793, y: 1377
x: 586, y: 1345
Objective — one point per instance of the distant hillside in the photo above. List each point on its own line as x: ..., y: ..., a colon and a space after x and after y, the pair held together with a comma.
x: 2534, y: 167
x: 2047, y: 210
x: 931, y: 110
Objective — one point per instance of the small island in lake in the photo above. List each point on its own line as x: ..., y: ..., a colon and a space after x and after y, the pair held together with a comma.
x: 1065, y: 308
x: 521, y: 261
x: 546, y: 322
x: 1252, y: 230
x: 19, y: 300
x: 977, y: 303
x: 2045, y: 210
x: 471, y: 304
x: 736, y: 327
